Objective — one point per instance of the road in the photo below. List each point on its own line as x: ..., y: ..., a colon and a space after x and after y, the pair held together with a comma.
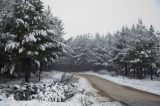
x: 126, y: 95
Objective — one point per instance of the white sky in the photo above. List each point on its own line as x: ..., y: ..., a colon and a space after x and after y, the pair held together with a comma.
x: 91, y: 16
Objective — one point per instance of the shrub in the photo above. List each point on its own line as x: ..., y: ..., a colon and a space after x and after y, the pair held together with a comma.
x: 68, y: 78
x: 57, y: 91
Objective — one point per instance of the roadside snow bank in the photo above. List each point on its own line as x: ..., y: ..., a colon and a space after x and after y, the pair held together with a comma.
x: 143, y: 85
x: 83, y: 83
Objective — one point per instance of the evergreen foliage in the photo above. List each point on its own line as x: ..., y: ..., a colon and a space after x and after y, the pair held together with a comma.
x: 131, y: 51
x: 32, y: 36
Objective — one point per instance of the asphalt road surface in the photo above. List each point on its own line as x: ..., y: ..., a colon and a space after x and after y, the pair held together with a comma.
x: 126, y: 95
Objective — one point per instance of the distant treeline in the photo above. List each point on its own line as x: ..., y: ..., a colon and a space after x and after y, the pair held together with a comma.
x: 131, y: 51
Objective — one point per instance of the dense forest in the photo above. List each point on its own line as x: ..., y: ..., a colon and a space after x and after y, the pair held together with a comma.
x: 130, y: 51
x: 31, y: 40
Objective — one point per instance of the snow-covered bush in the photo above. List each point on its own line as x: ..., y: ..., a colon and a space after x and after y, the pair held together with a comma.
x: 68, y: 78
x: 56, y: 91
x: 158, y: 72
x: 2, y: 96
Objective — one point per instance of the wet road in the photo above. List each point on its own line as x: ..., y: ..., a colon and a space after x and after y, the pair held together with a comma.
x: 126, y: 95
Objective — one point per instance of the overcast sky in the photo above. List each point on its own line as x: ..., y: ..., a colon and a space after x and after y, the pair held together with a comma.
x: 91, y: 16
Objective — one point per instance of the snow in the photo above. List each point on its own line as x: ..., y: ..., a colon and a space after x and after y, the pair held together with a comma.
x: 86, y: 95
x: 35, y: 103
x: 12, y: 68
x: 19, y: 21
x: 42, y: 47
x: 40, y: 32
x: 153, y: 65
x: 45, y: 59
x: 11, y: 45
x: 158, y: 71
x: 135, y: 61
x: 49, y: 45
x: 85, y: 84
x: 2, y: 97
x: 75, y: 102
x: 30, y: 38
x: 143, y: 85
x: 21, y: 50
x: 4, y: 69
x: 36, y: 53
x: 51, y: 31
x: 52, y: 59
x: 54, y: 54
x: 31, y: 53
x: 52, y: 93
x: 26, y: 17
x: 144, y: 53
x: 38, y: 63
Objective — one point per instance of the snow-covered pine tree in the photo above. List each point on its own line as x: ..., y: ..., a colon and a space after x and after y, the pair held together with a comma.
x: 34, y: 34
x: 121, y: 49
x: 142, y: 46
x: 6, y: 9
x: 152, y: 50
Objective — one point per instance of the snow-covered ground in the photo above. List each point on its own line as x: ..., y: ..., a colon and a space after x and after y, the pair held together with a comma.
x: 143, y: 85
x: 85, y: 96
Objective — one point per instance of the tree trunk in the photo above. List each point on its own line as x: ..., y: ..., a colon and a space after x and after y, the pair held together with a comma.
x: 26, y: 76
x: 144, y: 72
x: 134, y: 73
x: 40, y: 70
x: 26, y: 68
x: 52, y: 65
x: 140, y: 67
x: 137, y: 72
x: 151, y: 73
x: 45, y: 66
x: 126, y: 70
x: 39, y: 77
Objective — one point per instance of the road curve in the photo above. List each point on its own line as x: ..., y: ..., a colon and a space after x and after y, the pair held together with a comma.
x: 126, y: 95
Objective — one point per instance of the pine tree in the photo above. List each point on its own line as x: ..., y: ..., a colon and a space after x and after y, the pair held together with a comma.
x: 34, y: 34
